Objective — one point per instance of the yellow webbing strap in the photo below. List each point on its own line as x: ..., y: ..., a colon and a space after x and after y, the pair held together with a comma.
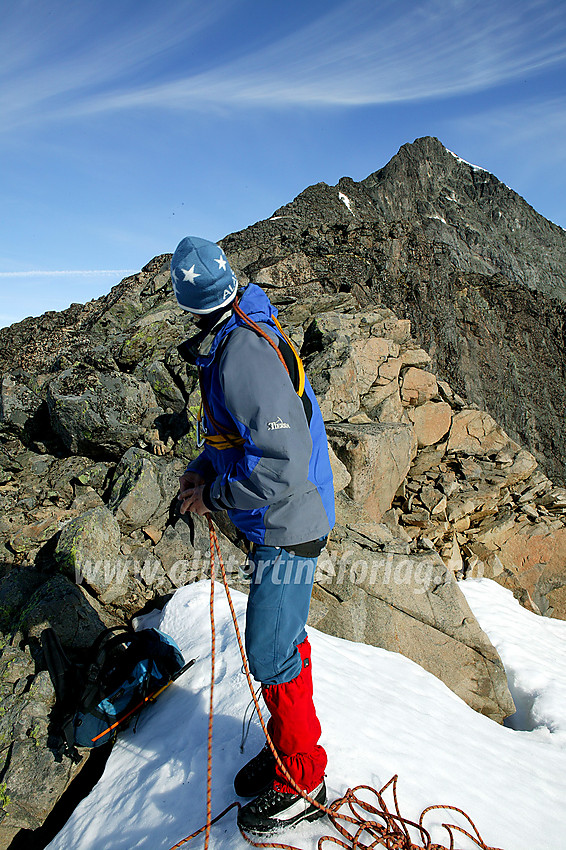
x: 227, y: 440
x: 300, y: 366
x: 231, y: 439
x: 217, y: 441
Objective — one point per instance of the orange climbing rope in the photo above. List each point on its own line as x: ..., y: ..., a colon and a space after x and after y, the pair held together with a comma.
x: 375, y: 823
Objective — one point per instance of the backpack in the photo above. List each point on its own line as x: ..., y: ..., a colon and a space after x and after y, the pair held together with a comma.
x: 122, y: 672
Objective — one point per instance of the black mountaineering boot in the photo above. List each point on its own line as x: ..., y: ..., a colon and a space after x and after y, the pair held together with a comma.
x: 274, y: 811
x: 257, y: 775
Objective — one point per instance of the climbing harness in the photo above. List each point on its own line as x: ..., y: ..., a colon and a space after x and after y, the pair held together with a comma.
x: 379, y: 826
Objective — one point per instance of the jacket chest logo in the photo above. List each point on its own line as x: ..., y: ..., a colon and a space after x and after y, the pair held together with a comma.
x: 277, y: 425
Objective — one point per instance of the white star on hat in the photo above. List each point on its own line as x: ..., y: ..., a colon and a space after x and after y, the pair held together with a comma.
x: 221, y: 262
x: 190, y: 275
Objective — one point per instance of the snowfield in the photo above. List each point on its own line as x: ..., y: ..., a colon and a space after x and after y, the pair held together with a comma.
x: 381, y: 714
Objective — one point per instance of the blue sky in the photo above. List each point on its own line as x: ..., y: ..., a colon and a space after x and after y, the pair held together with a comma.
x: 125, y: 125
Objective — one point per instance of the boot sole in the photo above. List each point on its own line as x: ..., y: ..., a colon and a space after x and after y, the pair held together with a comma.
x: 283, y: 826
x: 315, y: 815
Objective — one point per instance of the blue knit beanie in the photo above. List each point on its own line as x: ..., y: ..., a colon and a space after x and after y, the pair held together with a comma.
x: 202, y: 278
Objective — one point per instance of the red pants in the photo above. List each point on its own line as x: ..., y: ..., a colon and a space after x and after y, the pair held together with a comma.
x: 294, y: 728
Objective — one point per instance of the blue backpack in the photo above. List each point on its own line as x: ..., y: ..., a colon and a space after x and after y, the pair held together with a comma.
x: 123, y: 671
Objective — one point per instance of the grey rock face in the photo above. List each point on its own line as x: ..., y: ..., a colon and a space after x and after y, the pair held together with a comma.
x: 32, y: 778
x: 465, y: 207
x: 63, y: 605
x: 378, y: 457
x: 184, y: 552
x: 412, y: 605
x: 89, y: 548
x: 98, y: 413
x: 18, y: 403
x: 137, y: 493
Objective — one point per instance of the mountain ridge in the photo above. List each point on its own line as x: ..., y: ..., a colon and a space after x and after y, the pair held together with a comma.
x: 485, y: 297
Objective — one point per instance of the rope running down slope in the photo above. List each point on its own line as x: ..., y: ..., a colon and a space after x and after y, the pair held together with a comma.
x: 374, y: 823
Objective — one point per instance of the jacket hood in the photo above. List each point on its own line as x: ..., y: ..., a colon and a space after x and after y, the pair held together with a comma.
x: 255, y: 304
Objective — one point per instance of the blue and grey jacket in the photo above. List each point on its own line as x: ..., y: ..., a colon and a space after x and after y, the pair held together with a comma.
x: 277, y: 484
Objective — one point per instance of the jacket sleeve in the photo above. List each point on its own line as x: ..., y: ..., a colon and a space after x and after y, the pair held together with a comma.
x: 262, y: 401
x: 202, y: 465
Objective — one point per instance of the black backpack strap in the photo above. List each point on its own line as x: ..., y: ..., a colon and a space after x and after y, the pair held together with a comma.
x: 105, y: 636
x: 60, y: 670
x: 106, y: 642
x: 58, y: 665
x: 68, y: 736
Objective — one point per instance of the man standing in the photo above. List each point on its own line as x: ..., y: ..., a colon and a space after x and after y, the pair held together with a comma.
x: 265, y: 461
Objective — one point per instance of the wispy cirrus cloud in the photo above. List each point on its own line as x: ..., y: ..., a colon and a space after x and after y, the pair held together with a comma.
x: 374, y: 53
x: 360, y: 52
x: 541, y: 123
x: 56, y: 56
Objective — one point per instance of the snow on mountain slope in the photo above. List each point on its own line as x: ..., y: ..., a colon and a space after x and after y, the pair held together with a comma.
x: 381, y: 714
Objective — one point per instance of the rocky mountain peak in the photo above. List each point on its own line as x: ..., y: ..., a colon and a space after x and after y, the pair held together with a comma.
x: 464, y: 206
x: 485, y: 226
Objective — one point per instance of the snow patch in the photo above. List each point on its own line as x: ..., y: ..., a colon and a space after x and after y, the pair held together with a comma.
x: 381, y: 714
x: 535, y: 673
x: 465, y: 162
x: 346, y: 200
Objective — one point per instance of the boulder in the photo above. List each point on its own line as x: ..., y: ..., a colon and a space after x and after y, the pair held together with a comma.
x: 474, y: 432
x: 136, y: 493
x: 378, y: 458
x: 30, y: 537
x: 88, y: 550
x: 294, y: 270
x: 64, y: 606
x: 390, y: 410
x: 332, y: 374
x: 412, y: 604
x: 341, y: 476
x: 33, y: 778
x: 17, y: 586
x: 431, y: 421
x: 100, y: 414
x: 149, y: 337
x: 121, y: 576
x: 418, y: 386
x: 516, y: 464
x: 533, y: 558
x: 389, y: 371
x: 368, y: 355
x: 397, y: 330
x: 166, y: 390
x: 416, y: 357
x: 184, y: 551
x: 379, y: 393
x: 347, y: 364
x: 18, y: 403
